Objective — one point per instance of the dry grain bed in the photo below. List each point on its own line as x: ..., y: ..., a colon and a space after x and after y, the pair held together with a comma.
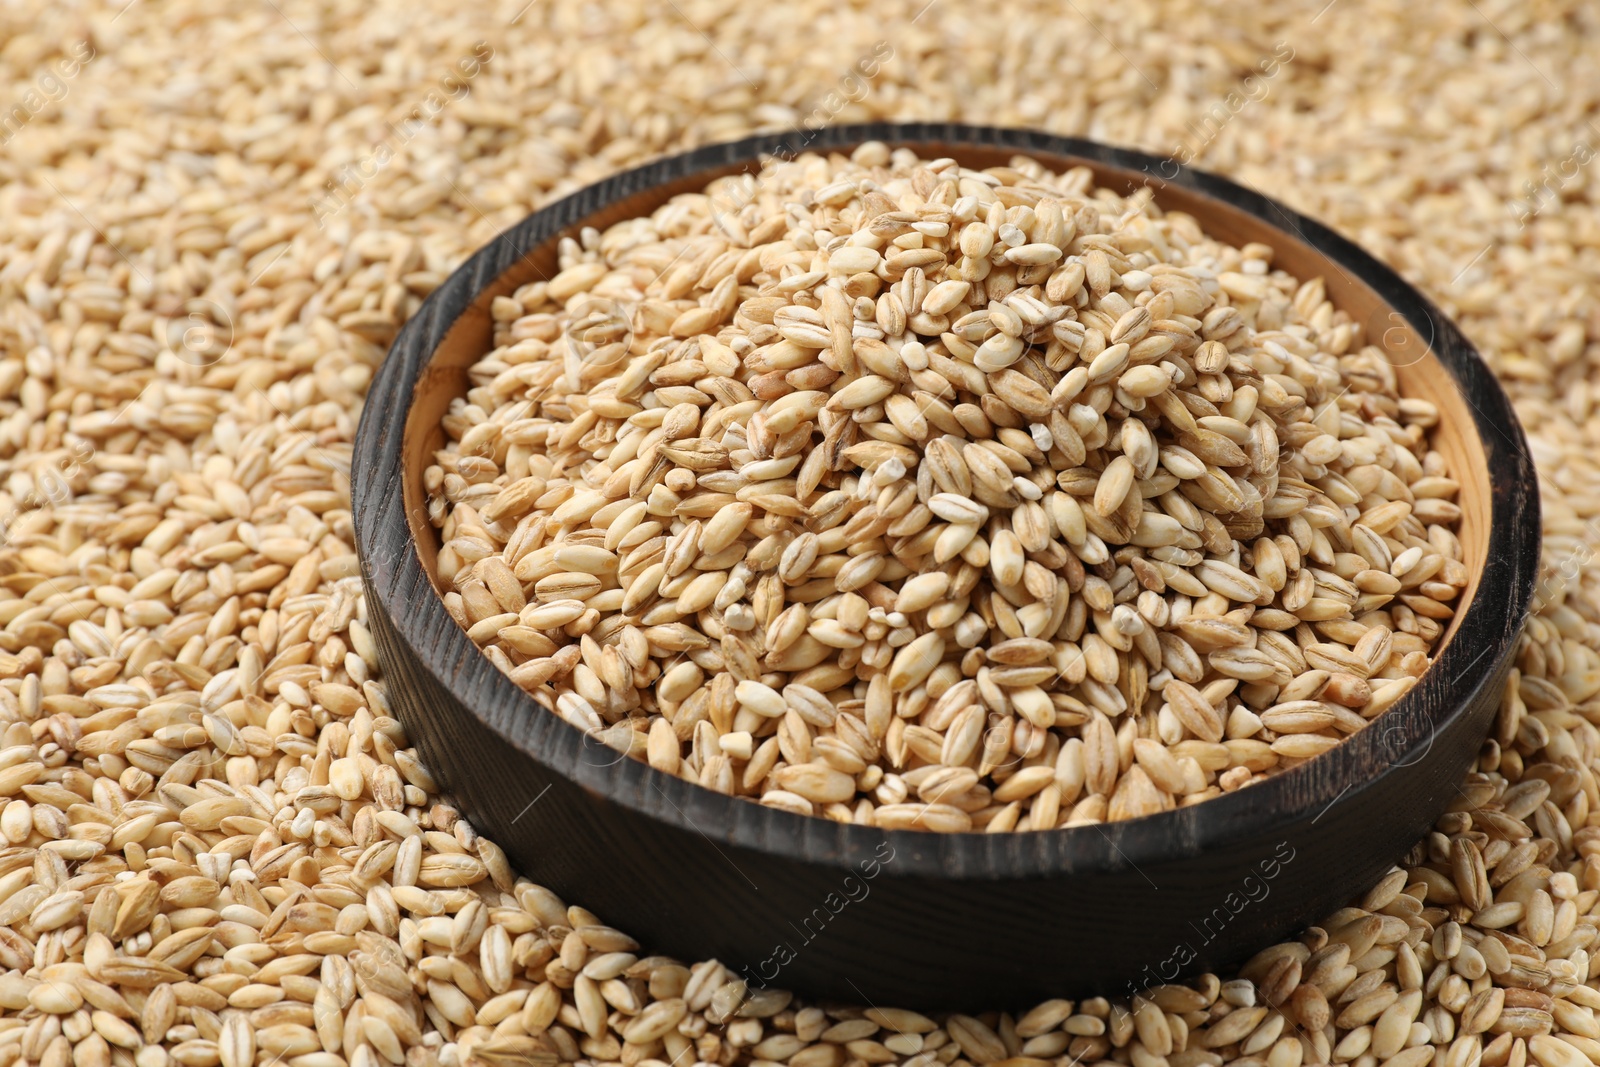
x: 218, y: 847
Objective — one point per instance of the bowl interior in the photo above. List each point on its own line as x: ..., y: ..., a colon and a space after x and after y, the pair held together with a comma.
x: 1418, y: 370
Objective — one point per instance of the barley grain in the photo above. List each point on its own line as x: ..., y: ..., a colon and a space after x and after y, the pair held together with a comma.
x: 206, y: 541
x: 945, y: 539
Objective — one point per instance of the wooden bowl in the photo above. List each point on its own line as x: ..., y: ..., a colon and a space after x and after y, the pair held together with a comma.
x: 905, y: 917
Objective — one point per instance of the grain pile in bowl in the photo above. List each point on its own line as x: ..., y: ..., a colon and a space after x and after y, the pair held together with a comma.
x: 892, y: 492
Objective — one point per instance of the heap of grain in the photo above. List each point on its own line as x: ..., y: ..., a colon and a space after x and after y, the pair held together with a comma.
x: 889, y: 491
x: 1474, y: 953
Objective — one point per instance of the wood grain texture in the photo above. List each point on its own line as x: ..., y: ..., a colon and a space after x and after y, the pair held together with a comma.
x: 959, y: 920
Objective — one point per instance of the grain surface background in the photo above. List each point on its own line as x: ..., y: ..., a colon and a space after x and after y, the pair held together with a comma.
x: 217, y: 847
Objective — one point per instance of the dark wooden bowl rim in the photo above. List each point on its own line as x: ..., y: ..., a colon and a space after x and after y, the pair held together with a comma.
x: 1493, y: 614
